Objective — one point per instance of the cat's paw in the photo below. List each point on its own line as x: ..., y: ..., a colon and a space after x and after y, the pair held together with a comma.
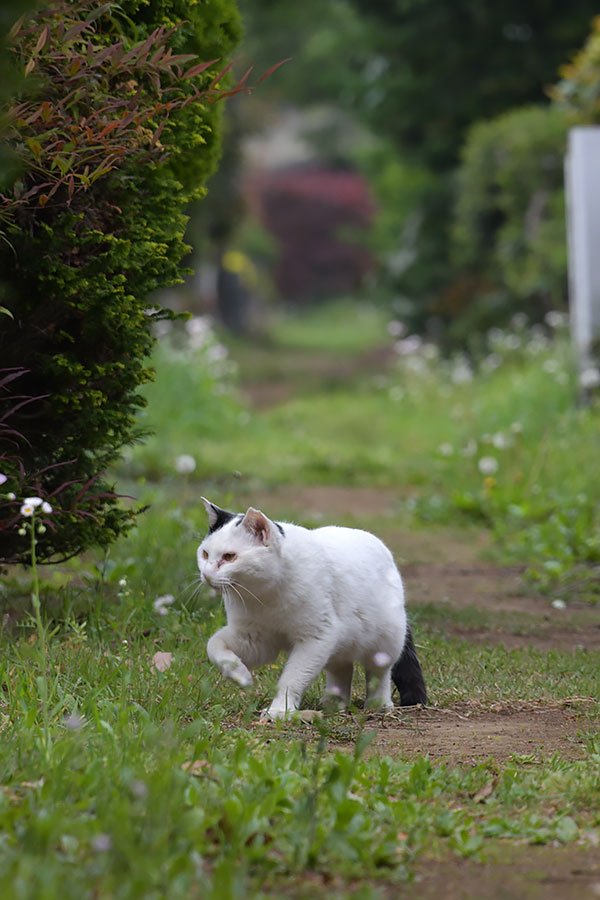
x: 238, y: 673
x: 273, y: 713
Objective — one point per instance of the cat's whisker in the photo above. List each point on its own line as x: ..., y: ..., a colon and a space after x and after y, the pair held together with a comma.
x: 190, y: 590
x: 234, y: 588
x: 244, y: 588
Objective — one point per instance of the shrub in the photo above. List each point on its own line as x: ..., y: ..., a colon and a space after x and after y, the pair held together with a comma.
x: 509, y: 228
x: 113, y: 140
x: 578, y: 91
x: 318, y: 218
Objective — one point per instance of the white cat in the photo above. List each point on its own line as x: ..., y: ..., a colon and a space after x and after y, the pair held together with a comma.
x: 330, y: 597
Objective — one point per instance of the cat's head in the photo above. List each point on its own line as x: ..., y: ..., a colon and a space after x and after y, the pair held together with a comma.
x: 240, y: 548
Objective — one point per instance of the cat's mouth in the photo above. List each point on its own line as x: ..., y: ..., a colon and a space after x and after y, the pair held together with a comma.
x: 217, y: 586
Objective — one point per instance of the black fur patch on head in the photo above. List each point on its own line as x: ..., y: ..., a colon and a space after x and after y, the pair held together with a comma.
x: 223, y: 517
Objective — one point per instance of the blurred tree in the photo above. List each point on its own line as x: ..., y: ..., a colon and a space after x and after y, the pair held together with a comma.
x: 438, y: 66
x: 420, y: 73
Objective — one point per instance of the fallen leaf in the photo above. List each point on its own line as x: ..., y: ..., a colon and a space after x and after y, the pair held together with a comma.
x: 161, y: 661
x: 196, y: 766
x: 309, y: 715
x: 483, y: 792
x: 33, y: 784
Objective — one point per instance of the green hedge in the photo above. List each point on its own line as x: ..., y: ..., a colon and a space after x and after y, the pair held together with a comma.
x: 77, y: 268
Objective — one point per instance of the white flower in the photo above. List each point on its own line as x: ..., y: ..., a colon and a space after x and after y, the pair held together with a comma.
x: 409, y: 345
x: 512, y: 341
x: 161, y: 602
x: 461, y: 372
x: 516, y: 428
x: 102, y: 843
x: 470, y: 448
x: 11, y: 496
x: 559, y: 604
x: 551, y: 366
x: 556, y: 319
x: 73, y: 722
x: 46, y: 507
x: 492, y: 361
x: 122, y: 582
x: 590, y: 377
x: 185, y: 464
x: 3, y: 478
x: 501, y: 441
x: 519, y: 320
x: 198, y: 327
x: 446, y: 449
x: 487, y: 465
x: 216, y: 353
x: 27, y: 509
x: 382, y: 660
x: 396, y: 329
x: 33, y: 501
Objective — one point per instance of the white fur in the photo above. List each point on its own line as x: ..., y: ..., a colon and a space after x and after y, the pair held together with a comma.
x: 330, y: 597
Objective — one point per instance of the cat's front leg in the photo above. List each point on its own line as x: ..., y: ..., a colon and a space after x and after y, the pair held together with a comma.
x: 221, y: 651
x: 306, y: 660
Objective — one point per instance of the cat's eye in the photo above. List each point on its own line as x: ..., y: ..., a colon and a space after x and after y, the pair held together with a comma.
x: 229, y: 557
x: 204, y: 554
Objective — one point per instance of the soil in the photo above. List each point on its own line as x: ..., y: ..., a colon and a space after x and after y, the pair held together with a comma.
x: 466, y: 736
x: 522, y: 873
x: 526, y: 873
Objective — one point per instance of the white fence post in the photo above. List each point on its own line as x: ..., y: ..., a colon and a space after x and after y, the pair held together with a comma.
x: 582, y: 182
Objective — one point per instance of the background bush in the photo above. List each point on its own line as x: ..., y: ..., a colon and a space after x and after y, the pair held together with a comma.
x: 509, y: 232
x: 82, y: 252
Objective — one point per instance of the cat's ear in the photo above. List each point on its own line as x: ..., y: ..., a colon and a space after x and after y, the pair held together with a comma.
x: 217, y: 517
x: 257, y: 524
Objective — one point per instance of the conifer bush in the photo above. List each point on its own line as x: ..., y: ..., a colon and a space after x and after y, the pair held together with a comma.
x: 114, y: 132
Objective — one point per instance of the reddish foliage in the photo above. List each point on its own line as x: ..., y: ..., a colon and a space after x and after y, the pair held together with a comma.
x: 135, y: 89
x: 317, y: 216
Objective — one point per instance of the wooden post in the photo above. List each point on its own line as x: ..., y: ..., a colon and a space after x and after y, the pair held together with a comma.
x: 582, y: 182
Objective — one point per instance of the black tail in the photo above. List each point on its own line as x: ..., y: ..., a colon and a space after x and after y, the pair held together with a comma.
x: 407, y: 675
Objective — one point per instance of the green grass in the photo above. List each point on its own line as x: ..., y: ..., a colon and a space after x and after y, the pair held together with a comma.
x: 106, y: 808
x: 417, y: 429
x: 97, y: 797
x: 342, y: 327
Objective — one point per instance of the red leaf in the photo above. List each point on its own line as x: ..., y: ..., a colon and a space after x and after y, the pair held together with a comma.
x: 272, y: 69
x: 243, y: 80
x: 201, y: 67
x: 218, y: 77
x: 75, y: 30
x: 41, y: 40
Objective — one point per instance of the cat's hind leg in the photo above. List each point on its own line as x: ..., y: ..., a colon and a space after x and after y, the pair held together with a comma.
x: 379, y: 685
x: 338, y: 683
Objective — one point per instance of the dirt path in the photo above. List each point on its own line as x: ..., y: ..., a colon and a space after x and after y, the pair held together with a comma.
x: 466, y: 735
